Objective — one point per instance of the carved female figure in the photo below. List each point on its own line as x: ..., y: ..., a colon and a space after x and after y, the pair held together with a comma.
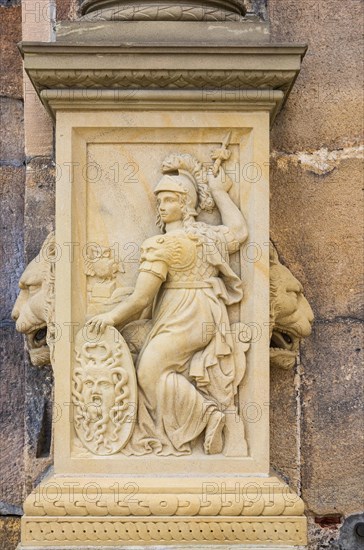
x: 186, y: 374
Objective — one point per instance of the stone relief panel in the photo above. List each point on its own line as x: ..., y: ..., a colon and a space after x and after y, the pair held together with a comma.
x: 187, y: 376
x: 165, y: 219
x: 180, y: 257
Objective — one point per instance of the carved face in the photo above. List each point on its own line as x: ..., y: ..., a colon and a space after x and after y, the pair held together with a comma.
x: 291, y: 315
x: 169, y: 206
x: 33, y: 307
x: 98, y: 391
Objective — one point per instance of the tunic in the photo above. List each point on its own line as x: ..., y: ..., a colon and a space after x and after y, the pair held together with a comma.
x: 186, y: 369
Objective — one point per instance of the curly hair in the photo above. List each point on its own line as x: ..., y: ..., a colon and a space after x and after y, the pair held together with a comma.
x: 97, y: 431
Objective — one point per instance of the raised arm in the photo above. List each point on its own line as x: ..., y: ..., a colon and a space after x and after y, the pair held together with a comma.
x: 146, y: 288
x: 231, y: 216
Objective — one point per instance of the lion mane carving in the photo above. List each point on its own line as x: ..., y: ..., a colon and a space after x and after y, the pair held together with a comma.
x: 290, y: 313
x: 291, y: 316
x: 34, y: 308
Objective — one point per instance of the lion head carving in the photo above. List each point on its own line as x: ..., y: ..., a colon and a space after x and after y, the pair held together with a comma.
x: 290, y: 313
x: 34, y: 308
x: 291, y: 316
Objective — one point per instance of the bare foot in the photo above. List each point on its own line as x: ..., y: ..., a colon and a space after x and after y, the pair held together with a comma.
x: 213, y: 437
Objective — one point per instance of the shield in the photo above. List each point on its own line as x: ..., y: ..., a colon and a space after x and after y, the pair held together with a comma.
x: 104, y: 391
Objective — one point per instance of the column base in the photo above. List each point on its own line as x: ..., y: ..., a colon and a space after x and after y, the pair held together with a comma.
x: 103, y: 512
x: 164, y: 547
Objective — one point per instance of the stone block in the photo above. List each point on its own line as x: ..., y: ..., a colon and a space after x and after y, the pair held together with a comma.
x: 38, y: 20
x: 316, y: 226
x: 332, y: 420
x: 9, y: 532
x: 37, y: 25
x: 66, y: 9
x: 12, y: 345
x: 284, y: 438
x: 325, y: 107
x: 12, y: 139
x: 258, y: 7
x: 39, y: 203
x: 323, y: 538
x: 39, y: 221
x: 9, y: 3
x: 37, y: 124
x: 11, y: 75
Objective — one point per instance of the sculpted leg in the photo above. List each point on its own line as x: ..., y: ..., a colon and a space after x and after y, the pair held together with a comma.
x: 177, y: 408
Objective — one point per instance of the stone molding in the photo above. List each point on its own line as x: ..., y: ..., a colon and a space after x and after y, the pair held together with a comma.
x: 162, y: 79
x: 60, y: 531
x: 190, y: 10
x: 70, y: 510
x: 162, y: 13
x: 162, y: 100
x: 165, y: 70
x: 97, y: 496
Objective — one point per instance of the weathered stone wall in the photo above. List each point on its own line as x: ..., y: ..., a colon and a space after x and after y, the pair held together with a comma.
x: 316, y: 224
x: 316, y: 177
x: 12, y: 355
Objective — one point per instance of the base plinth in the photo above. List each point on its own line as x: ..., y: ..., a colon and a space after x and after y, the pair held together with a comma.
x: 165, y: 547
x: 111, y: 511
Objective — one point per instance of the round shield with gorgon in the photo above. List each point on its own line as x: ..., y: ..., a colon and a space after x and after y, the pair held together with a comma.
x: 104, y: 391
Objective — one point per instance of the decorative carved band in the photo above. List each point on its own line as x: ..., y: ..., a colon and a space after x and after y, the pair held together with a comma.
x: 275, y: 530
x: 41, y: 503
x: 173, y: 79
x: 190, y: 10
x: 162, y: 13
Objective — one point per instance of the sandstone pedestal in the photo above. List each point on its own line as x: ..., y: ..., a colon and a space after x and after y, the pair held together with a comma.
x: 151, y: 104
x: 119, y: 511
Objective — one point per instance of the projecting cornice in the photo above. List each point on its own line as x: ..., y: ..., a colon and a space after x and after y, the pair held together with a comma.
x: 209, y: 75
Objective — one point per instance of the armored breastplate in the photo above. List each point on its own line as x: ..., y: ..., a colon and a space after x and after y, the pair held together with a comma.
x: 200, y: 270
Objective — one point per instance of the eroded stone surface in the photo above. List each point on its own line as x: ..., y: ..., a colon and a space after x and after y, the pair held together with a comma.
x: 9, y: 532
x: 39, y: 220
x: 39, y: 208
x: 332, y: 424
x: 315, y: 225
x: 12, y: 139
x: 323, y: 538
x: 67, y: 9
x: 284, y: 435
x: 11, y: 83
x: 325, y: 107
x: 12, y: 347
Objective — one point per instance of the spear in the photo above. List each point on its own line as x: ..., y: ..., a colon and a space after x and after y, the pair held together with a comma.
x: 222, y: 154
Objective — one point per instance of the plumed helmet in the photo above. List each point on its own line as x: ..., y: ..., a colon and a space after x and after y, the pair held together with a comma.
x: 183, y: 183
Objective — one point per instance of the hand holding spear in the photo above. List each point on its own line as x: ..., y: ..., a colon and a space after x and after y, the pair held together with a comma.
x: 219, y: 156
